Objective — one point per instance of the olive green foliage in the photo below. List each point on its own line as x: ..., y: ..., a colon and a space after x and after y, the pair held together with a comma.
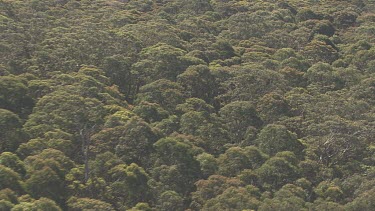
x: 187, y: 105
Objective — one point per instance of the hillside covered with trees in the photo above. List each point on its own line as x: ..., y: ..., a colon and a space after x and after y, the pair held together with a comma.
x: 193, y: 105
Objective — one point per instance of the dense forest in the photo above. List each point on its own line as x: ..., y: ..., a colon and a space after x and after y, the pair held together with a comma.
x: 193, y: 105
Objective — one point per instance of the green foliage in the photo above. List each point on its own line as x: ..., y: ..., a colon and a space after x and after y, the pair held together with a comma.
x: 9, y: 196
x: 276, y: 138
x: 207, y: 163
x: 6, y: 205
x: 256, y: 24
x: 141, y: 207
x: 136, y: 142
x: 207, y: 127
x: 150, y: 112
x: 279, y: 170
x: 239, y: 116
x: 363, y: 202
x: 195, y: 104
x: 10, y: 179
x: 10, y: 131
x: 198, y: 82
x: 75, y: 203
x: 161, y: 61
x: 41, y: 204
x: 46, y: 183
x: 272, y: 107
x: 170, y: 200
x: 11, y: 160
x: 236, y: 159
x: 214, y: 186
x: 129, y: 183
x: 175, y: 152
x: 14, y: 95
x: 66, y: 111
x: 289, y: 197
x: 233, y: 198
x: 250, y: 85
x: 187, y: 105
x: 166, y: 93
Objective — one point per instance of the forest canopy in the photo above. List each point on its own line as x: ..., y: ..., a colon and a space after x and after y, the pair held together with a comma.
x: 194, y: 105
